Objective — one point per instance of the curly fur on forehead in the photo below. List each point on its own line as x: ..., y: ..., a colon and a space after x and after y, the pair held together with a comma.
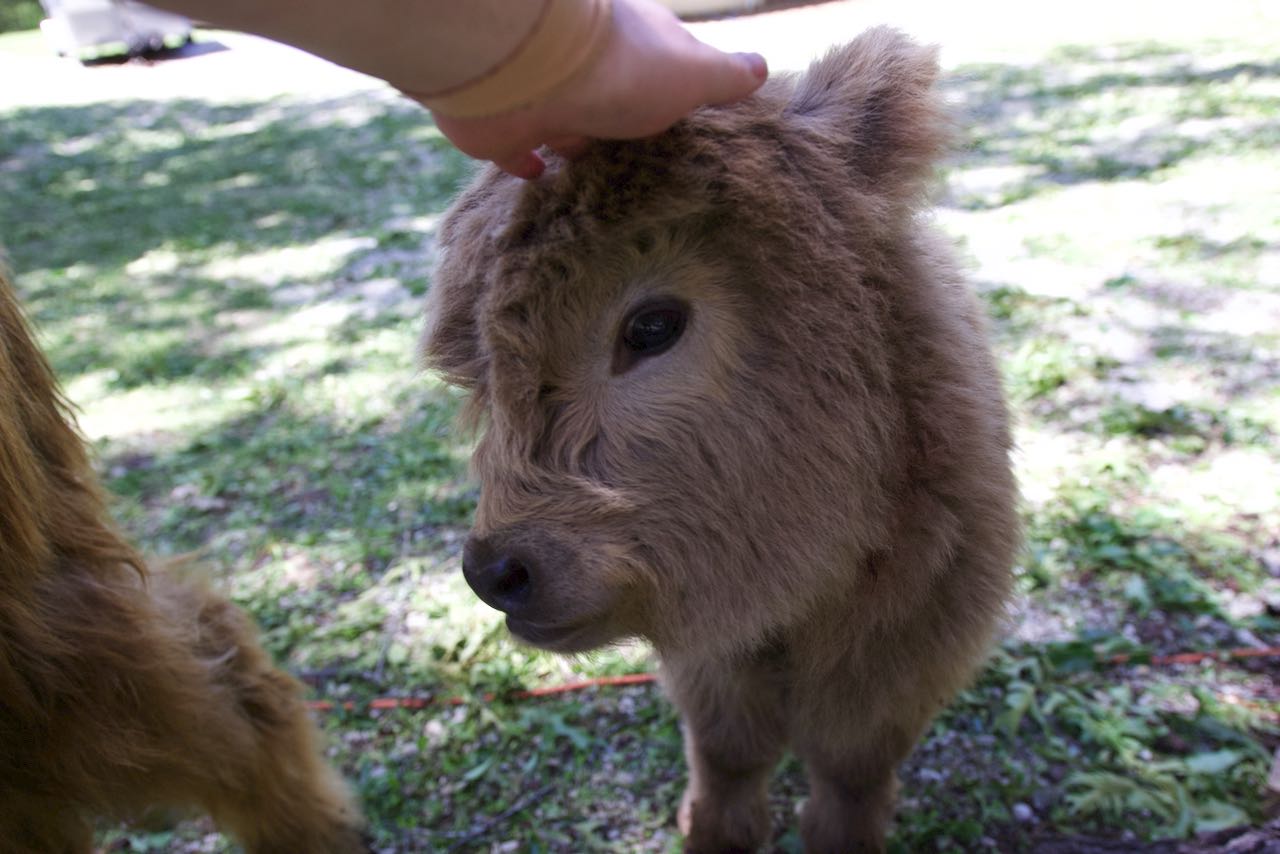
x: 839, y: 157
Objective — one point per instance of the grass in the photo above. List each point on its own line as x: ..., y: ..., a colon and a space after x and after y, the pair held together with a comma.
x: 20, y: 15
x: 230, y: 288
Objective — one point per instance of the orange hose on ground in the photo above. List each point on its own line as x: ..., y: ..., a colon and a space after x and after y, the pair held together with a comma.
x: 424, y: 702
x: 381, y: 703
x: 1197, y: 657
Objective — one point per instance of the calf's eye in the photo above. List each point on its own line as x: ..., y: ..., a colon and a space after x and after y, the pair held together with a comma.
x: 654, y: 327
x: 649, y: 330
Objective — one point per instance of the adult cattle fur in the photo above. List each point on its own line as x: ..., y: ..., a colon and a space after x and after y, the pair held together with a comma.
x: 122, y: 688
x: 737, y: 401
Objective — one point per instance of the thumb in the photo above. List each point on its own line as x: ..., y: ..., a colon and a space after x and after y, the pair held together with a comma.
x: 525, y: 164
x: 734, y: 76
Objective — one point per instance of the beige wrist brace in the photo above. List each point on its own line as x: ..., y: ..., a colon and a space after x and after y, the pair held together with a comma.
x: 564, y: 39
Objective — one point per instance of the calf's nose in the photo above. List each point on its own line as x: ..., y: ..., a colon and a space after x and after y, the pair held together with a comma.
x: 502, y: 579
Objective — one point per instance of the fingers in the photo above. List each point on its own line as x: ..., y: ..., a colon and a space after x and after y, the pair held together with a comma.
x: 569, y: 147
x: 530, y: 164
x: 505, y: 141
x: 527, y: 165
x: 734, y: 76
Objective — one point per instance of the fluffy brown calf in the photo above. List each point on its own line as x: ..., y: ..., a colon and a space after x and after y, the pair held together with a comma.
x: 737, y: 400
x: 121, y: 688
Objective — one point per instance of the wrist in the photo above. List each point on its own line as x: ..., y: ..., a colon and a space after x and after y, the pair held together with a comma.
x: 565, y: 39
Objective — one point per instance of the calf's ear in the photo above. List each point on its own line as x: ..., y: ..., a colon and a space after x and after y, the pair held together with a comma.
x: 875, y: 100
x: 449, y: 340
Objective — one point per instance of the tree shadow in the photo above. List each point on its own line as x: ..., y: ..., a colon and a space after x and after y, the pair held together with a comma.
x: 112, y: 181
x: 284, y: 471
x: 1054, y: 124
x: 160, y: 217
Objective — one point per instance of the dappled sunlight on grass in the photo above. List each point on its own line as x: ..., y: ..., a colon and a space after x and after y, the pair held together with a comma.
x: 1118, y: 207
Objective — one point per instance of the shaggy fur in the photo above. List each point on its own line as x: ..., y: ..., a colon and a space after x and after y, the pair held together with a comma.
x: 806, y: 503
x: 121, y: 688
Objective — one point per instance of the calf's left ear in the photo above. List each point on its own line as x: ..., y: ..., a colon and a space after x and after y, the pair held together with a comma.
x: 875, y: 99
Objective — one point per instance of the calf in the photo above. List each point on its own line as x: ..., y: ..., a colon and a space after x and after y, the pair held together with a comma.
x: 124, y: 688
x: 737, y: 400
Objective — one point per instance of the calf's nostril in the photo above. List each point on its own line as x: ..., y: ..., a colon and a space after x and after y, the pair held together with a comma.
x: 512, y: 583
x: 501, y: 581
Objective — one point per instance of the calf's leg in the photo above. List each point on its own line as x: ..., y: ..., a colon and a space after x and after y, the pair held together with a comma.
x: 35, y: 825
x: 852, y: 780
x: 256, y: 766
x: 734, y: 731
x: 849, y: 807
x: 155, y: 695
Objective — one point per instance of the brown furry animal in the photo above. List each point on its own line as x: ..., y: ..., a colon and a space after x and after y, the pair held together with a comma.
x: 738, y: 401
x: 122, y: 688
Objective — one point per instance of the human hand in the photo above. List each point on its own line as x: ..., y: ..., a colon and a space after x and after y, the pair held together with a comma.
x: 650, y: 73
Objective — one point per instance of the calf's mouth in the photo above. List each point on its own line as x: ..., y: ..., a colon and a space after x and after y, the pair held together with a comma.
x: 545, y: 590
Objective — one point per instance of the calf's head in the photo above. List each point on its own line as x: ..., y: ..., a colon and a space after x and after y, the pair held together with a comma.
x: 678, y: 356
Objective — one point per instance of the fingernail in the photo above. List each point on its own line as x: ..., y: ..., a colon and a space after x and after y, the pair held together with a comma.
x: 759, y: 68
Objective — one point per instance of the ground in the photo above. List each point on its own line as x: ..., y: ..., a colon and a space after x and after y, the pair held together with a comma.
x: 225, y: 255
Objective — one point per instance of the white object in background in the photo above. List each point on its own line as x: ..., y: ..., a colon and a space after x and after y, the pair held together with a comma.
x: 84, y: 27
x: 696, y: 8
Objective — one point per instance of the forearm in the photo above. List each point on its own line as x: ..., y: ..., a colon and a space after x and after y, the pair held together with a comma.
x: 420, y: 46
x: 504, y: 77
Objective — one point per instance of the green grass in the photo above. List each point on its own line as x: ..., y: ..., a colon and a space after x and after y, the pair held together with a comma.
x: 20, y: 15
x: 230, y: 291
